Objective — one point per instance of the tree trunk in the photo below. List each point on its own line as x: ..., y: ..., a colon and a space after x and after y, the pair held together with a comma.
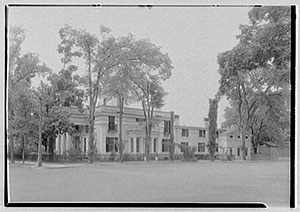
x: 11, y: 148
x: 40, y: 137
x: 254, y: 143
x: 91, y: 140
x: 92, y: 113
x: 243, y: 152
x: 148, y: 140
x: 172, y: 146
x: 23, y: 150
x: 121, y: 107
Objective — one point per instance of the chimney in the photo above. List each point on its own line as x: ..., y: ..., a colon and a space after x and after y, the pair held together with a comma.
x: 206, y: 122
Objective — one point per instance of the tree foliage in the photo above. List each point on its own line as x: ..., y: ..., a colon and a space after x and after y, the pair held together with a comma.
x: 113, y: 65
x: 257, y: 70
x: 22, y: 68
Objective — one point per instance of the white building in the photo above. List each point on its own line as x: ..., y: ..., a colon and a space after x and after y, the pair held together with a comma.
x: 231, y: 143
x: 133, y: 133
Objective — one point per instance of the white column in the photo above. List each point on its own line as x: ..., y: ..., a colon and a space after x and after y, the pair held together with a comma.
x: 63, y: 143
x: 68, y: 142
x: 58, y: 144
x: 87, y: 145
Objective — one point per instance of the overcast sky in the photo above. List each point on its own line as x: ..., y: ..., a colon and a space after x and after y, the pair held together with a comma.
x: 193, y: 37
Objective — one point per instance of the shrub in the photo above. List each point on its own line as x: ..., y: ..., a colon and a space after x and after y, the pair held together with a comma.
x: 189, y: 153
x: 112, y: 156
x: 74, y: 154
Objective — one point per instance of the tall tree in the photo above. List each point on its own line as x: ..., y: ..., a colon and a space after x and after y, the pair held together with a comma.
x: 25, y: 121
x: 148, y: 71
x: 151, y: 95
x: 22, y: 68
x: 141, y: 57
x: 100, y: 58
x: 212, y: 127
x: 119, y: 86
x: 259, y: 63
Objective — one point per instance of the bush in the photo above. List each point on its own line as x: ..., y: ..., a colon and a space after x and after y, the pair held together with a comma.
x: 112, y: 156
x: 128, y: 157
x: 203, y: 156
x: 189, y: 153
x: 74, y: 154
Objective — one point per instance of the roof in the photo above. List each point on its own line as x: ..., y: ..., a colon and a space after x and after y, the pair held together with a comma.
x: 193, y: 127
x: 233, y: 130
x: 269, y: 144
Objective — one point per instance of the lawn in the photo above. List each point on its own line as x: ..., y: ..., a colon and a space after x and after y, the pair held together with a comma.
x: 162, y: 181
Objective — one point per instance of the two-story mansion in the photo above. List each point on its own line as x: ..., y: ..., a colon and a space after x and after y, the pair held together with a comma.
x: 133, y: 130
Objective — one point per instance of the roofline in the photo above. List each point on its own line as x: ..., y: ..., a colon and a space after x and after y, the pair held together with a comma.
x: 194, y: 127
x: 133, y: 108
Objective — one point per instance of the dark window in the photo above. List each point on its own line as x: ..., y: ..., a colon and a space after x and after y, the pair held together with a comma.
x: 201, y: 147
x: 217, y: 147
x: 131, y: 144
x: 246, y: 137
x: 86, y: 129
x: 202, y: 133
x: 154, y: 144
x: 185, y: 133
x: 230, y: 150
x: 183, y: 145
x: 111, y: 123
x: 137, y: 144
x: 110, y: 143
x: 231, y: 136
x: 84, y: 144
x: 76, y: 142
x: 238, y: 152
x: 246, y: 151
x: 165, y: 145
x: 239, y: 136
x: 217, y: 134
x: 167, y: 127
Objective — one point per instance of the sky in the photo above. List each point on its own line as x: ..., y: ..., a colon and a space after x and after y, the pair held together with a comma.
x: 192, y: 36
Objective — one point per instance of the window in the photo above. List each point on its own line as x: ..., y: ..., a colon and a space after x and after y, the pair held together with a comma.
x: 217, y: 147
x: 238, y: 151
x: 110, y: 143
x: 201, y: 147
x: 137, y: 144
x: 183, y: 144
x: 217, y: 134
x: 86, y: 128
x: 185, y: 133
x: 165, y: 145
x: 230, y: 150
x: 111, y: 123
x: 246, y: 137
x: 76, y: 142
x: 167, y: 127
x: 246, y: 151
x: 131, y: 144
x: 154, y: 144
x: 84, y: 144
x: 202, y: 133
x: 231, y: 136
x: 139, y: 120
x: 239, y: 136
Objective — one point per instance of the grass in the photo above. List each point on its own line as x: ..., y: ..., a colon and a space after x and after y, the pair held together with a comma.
x: 161, y: 181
